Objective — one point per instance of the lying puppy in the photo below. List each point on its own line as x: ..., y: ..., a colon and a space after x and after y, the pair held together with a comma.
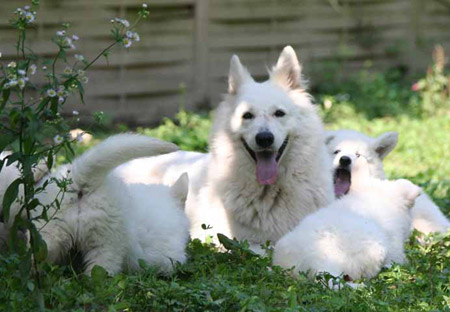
x: 110, y: 222
x: 357, y: 234
x: 348, y: 145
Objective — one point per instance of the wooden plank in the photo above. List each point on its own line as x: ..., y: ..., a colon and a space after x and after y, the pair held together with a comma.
x: 201, y: 47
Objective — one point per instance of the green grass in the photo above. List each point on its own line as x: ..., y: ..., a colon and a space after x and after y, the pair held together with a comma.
x: 238, y: 280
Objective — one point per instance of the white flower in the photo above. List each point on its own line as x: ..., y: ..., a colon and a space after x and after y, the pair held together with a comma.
x: 58, y: 139
x: 144, y: 5
x: 29, y: 17
x: 124, y: 22
x: 6, y: 85
x: 32, y: 69
x: 80, y: 72
x: 79, y: 57
x: 85, y: 79
x: 67, y: 70
x: 60, y: 33
x: 127, y: 42
x: 21, y: 72
x: 12, y: 65
x: 67, y: 43
x: 21, y: 82
x: 75, y: 113
x: 75, y: 38
x: 13, y: 83
x: 61, y: 91
x: 44, y: 67
x: 60, y: 100
x: 51, y: 93
x: 136, y: 37
x: 27, y: 7
x: 129, y: 34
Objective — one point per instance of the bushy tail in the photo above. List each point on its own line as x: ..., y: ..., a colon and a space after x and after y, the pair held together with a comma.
x: 90, y: 169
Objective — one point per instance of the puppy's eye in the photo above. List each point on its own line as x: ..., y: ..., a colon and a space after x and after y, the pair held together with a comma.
x: 336, y: 152
x: 357, y: 155
x: 248, y: 115
x: 279, y: 113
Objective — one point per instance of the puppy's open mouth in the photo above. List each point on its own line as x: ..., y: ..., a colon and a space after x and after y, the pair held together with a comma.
x: 266, y: 162
x: 342, y: 181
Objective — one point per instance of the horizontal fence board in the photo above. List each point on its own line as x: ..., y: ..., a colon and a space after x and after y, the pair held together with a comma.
x: 149, y: 80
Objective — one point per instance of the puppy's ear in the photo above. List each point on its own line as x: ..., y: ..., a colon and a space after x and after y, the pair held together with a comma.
x: 329, y: 136
x: 409, y: 191
x: 385, y: 143
x: 288, y: 71
x: 238, y: 75
x: 179, y: 189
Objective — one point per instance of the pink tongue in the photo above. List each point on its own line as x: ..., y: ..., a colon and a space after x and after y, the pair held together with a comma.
x: 341, y: 186
x: 266, y: 168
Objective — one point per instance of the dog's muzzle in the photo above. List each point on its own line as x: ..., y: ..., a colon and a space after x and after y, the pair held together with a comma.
x: 266, y: 162
x: 342, y: 180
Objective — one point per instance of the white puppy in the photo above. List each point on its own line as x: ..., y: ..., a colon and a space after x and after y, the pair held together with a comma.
x: 355, y: 235
x: 348, y: 145
x: 157, y: 227
x: 110, y: 222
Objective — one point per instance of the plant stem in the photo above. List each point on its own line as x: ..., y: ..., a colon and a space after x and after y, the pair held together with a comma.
x: 99, y: 55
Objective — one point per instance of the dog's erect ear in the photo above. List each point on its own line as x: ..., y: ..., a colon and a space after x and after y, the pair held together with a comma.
x: 288, y: 71
x: 408, y: 190
x: 238, y: 75
x: 385, y: 143
x: 329, y: 136
x: 179, y: 189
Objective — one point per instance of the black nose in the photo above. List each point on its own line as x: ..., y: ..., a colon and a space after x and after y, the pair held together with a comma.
x: 345, y: 161
x: 264, y: 139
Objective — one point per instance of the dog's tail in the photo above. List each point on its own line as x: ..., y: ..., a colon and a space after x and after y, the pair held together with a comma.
x: 90, y: 169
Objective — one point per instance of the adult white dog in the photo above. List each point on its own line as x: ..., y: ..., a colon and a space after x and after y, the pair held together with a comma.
x: 114, y: 223
x: 348, y: 145
x: 267, y: 167
x: 357, y: 234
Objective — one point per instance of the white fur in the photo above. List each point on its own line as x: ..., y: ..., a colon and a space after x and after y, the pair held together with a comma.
x: 355, y: 235
x: 224, y: 192
x: 427, y: 217
x: 113, y: 223
x: 10, y: 173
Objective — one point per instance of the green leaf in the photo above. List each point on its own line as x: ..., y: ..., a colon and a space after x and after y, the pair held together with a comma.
x: 39, y: 246
x: 81, y: 90
x: 54, y: 105
x: 10, y: 196
x: 5, y: 98
x: 43, y: 104
x: 228, y: 243
x: 30, y: 285
x: 98, y: 275
x: 50, y: 160
x: 5, y: 140
x: 13, y: 158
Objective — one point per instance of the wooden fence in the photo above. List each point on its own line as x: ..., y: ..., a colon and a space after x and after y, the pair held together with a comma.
x: 186, y: 45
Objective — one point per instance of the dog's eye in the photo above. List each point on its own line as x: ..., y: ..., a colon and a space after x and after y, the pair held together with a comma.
x: 248, y: 115
x: 279, y: 113
x: 357, y: 155
x: 336, y: 152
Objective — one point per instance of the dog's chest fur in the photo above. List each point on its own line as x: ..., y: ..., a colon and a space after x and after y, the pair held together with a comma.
x: 260, y: 213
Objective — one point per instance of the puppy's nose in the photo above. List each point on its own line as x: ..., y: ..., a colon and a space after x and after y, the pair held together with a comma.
x: 345, y: 161
x: 264, y: 139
